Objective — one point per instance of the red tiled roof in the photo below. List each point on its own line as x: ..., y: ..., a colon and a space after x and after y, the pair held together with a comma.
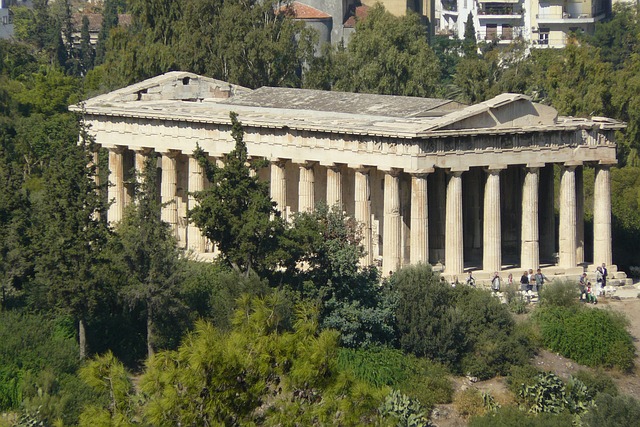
x: 360, y: 12
x: 304, y: 11
x: 95, y: 21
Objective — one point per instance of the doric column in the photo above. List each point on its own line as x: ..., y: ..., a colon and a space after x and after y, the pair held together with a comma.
x: 168, y: 189
x: 567, y: 230
x: 454, y: 249
x: 278, y: 184
x: 195, y: 240
x: 142, y: 154
x: 530, y: 246
x: 306, y: 187
x: 362, y: 212
x: 579, y: 215
x: 491, y: 230
x: 547, y: 221
x: 116, y: 187
x: 334, y: 186
x: 602, y: 216
x: 391, y: 239
x: 419, y: 219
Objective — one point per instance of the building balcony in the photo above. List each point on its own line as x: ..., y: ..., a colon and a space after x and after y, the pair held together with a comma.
x: 568, y: 18
x: 502, y: 13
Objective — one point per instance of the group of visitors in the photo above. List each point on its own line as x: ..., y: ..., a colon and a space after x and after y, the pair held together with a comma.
x: 587, y: 292
x: 529, y: 279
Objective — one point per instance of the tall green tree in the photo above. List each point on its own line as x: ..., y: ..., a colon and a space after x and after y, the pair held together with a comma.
x: 470, y: 42
x: 146, y: 258
x: 236, y: 211
x: 87, y: 53
x: 71, y: 237
x: 386, y: 55
x: 109, y: 21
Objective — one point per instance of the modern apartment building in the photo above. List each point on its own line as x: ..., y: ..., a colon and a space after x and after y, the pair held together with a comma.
x: 542, y: 23
x: 6, y: 20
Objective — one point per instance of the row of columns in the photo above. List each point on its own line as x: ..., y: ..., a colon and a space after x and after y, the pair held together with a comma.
x: 571, y: 230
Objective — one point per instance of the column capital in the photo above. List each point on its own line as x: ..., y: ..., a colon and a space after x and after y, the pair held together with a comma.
x: 606, y: 163
x: 278, y: 161
x: 394, y: 172
x: 420, y: 172
x: 495, y: 168
x: 456, y: 173
x: 119, y: 149
x: 535, y: 165
x: 171, y: 153
x: 360, y: 168
x: 307, y: 164
x: 143, y: 150
x: 572, y: 164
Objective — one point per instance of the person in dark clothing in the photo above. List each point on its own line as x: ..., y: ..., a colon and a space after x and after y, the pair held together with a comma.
x: 524, y: 282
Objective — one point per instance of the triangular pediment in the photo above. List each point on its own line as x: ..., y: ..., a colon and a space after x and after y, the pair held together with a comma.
x: 507, y: 110
x: 174, y: 85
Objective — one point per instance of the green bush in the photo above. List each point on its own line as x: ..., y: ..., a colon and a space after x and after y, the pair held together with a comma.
x: 521, y: 376
x: 379, y: 366
x: 515, y: 299
x: 510, y: 416
x: 592, y: 337
x: 560, y: 293
x: 598, y: 382
x: 550, y: 394
x: 610, y: 411
x: 420, y: 379
x: 465, y: 328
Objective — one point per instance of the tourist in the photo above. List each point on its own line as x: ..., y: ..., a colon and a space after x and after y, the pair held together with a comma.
x: 605, y: 274
x: 583, y: 286
x: 510, y: 279
x: 524, y: 282
x: 495, y: 282
x: 591, y: 296
x: 600, y: 279
x: 471, y: 281
x: 540, y: 278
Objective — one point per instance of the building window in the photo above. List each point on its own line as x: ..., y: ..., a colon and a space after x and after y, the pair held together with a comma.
x: 507, y: 32
x: 492, y: 32
x: 543, y: 36
x: 5, y: 20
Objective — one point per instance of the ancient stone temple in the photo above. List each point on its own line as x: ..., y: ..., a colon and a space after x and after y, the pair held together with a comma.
x: 431, y: 180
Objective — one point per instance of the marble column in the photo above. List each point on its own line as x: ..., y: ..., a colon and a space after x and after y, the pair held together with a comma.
x: 530, y: 244
x: 195, y: 240
x: 579, y: 215
x: 116, y: 187
x: 602, y: 216
x: 454, y: 250
x: 140, y: 161
x: 419, y: 251
x: 392, y: 238
x: 168, y: 190
x: 278, y: 185
x: 547, y: 220
x: 334, y: 186
x: 362, y: 212
x: 491, y: 230
x: 567, y: 230
x: 306, y: 187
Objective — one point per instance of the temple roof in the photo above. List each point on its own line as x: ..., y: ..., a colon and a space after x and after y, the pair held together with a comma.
x: 183, y: 96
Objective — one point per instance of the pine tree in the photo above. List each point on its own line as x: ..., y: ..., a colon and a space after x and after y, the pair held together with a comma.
x: 470, y: 44
x: 236, y: 211
x: 109, y: 21
x: 87, y: 53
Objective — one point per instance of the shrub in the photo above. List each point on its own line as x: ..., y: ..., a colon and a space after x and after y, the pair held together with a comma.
x: 515, y: 299
x: 592, y: 337
x: 513, y: 417
x: 550, y: 394
x: 521, y: 376
x: 467, y: 329
x: 598, y: 382
x: 469, y: 403
x: 610, y: 411
x: 408, y: 412
x: 379, y: 366
x: 420, y: 379
x: 560, y: 293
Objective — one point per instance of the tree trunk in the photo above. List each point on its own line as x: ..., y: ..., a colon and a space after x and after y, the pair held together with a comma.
x: 150, y: 336
x: 82, y: 339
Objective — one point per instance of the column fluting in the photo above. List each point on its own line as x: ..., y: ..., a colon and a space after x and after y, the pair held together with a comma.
x: 195, y: 240
x: 419, y: 219
x: 116, y: 190
x: 362, y: 214
x: 491, y: 230
x: 334, y: 186
x: 567, y: 232
x: 602, y: 216
x: 391, y: 239
x: 306, y: 187
x: 530, y: 249
x: 454, y: 249
x: 168, y: 190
